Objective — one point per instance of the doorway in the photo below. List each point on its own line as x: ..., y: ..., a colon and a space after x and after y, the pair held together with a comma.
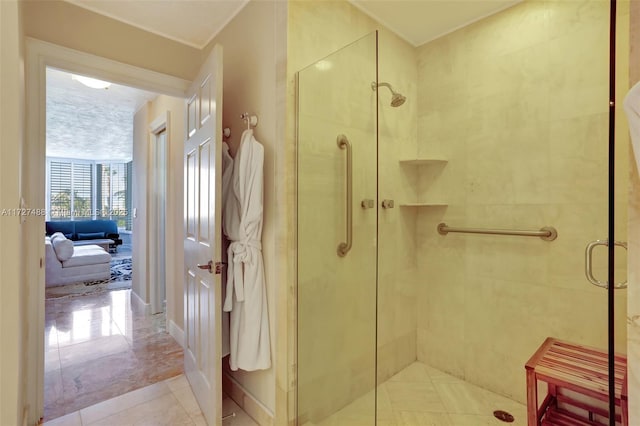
x: 98, y: 344
x: 158, y: 218
x: 39, y: 57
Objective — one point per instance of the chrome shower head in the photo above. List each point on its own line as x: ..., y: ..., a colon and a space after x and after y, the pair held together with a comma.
x: 396, y: 98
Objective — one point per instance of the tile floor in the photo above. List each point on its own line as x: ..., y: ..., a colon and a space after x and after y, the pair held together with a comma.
x: 169, y: 402
x: 423, y: 396
x: 100, y: 346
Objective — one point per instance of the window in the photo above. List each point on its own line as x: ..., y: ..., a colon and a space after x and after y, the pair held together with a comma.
x: 80, y: 190
x: 60, y: 192
x: 70, y: 191
x: 82, y: 184
x: 113, y: 193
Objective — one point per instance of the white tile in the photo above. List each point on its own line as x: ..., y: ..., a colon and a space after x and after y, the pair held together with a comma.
x: 199, y: 420
x: 413, y: 373
x: 240, y: 419
x: 461, y: 398
x: 164, y: 410
x: 71, y: 419
x: 229, y: 406
x: 178, y: 382
x: 408, y: 396
x: 422, y: 395
x: 188, y: 400
x: 412, y: 418
x: 120, y: 403
x: 440, y: 376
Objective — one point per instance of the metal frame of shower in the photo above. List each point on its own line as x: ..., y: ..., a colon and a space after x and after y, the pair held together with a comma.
x: 611, y: 231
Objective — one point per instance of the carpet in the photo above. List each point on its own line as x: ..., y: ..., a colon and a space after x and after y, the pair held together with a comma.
x: 121, y: 274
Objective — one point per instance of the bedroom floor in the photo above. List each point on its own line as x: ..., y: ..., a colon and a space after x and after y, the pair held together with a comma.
x: 99, y: 346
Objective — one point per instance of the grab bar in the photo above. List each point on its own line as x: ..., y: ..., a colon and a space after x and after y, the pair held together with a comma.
x: 548, y: 233
x: 343, y: 248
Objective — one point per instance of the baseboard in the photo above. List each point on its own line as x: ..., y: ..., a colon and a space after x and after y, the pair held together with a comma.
x: 254, y: 408
x: 176, y: 332
x: 146, y: 307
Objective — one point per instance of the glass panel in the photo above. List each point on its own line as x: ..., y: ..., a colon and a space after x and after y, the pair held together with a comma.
x: 337, y: 295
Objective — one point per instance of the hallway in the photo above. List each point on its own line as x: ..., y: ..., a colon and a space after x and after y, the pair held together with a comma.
x: 100, y: 346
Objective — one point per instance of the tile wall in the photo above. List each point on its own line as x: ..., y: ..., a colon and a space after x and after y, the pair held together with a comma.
x: 633, y: 301
x: 517, y: 102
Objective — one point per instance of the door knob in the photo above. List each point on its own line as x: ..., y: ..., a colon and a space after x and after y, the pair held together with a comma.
x: 387, y: 204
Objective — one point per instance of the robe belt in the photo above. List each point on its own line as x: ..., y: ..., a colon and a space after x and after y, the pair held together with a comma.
x: 238, y: 253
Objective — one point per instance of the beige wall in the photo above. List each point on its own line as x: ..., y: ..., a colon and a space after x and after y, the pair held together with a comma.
x: 251, y: 51
x: 13, y: 320
x: 140, y: 201
x: 518, y: 104
x: 71, y: 26
x: 175, y: 203
x: 315, y: 31
x: 397, y: 262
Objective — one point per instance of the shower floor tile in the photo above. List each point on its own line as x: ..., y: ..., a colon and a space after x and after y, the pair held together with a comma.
x: 420, y: 395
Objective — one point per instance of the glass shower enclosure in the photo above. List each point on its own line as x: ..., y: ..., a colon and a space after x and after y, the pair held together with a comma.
x: 501, y: 125
x: 337, y: 216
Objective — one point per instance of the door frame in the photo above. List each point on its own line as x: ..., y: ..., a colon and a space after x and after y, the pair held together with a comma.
x: 161, y: 124
x: 38, y: 56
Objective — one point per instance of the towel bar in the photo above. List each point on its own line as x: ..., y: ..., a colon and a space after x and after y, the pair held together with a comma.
x: 548, y: 233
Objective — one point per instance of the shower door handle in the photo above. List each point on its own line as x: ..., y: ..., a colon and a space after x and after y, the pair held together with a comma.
x: 343, y: 248
x: 588, y: 269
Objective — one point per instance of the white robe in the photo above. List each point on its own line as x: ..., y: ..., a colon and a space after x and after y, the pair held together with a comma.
x: 246, y: 296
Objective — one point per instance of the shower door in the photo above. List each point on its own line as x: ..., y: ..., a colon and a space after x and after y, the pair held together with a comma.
x: 337, y: 216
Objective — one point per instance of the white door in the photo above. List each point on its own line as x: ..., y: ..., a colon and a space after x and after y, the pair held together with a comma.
x: 202, y: 288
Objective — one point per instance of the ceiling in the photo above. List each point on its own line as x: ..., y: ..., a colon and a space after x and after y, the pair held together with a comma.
x: 191, y: 22
x: 98, y: 124
x: 90, y: 124
x: 196, y: 22
x: 420, y: 21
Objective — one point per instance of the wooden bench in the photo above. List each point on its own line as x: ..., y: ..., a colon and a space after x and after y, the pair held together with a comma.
x: 577, y: 382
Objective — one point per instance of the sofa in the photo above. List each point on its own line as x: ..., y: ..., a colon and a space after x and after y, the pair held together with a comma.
x: 86, y: 232
x: 66, y: 263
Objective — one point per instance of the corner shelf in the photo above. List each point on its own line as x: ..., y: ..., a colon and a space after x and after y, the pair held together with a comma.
x: 423, y: 205
x: 423, y: 161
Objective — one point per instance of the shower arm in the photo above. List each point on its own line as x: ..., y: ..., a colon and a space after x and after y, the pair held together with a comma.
x: 374, y: 85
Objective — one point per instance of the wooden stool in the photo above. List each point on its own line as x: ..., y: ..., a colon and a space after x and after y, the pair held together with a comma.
x: 566, y: 368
